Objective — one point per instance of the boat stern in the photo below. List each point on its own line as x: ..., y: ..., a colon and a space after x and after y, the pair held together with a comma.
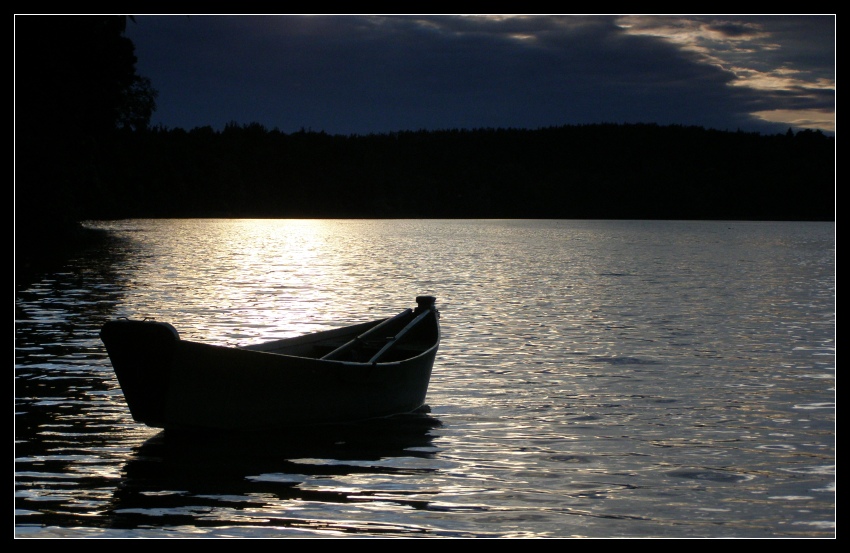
x: 141, y: 353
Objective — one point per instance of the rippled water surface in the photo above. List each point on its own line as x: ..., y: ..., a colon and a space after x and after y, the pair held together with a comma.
x: 595, y: 379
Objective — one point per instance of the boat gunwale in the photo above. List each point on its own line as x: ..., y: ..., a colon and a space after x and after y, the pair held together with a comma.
x: 311, y: 337
x: 354, y: 331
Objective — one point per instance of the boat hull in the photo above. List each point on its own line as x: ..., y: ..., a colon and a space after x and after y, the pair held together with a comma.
x: 173, y: 383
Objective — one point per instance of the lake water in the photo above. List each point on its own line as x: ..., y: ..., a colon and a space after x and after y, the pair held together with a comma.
x: 598, y: 379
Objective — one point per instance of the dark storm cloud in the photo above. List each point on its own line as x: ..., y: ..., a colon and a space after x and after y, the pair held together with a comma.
x: 362, y: 74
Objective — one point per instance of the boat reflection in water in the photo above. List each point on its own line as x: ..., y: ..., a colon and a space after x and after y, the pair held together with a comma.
x: 282, y: 479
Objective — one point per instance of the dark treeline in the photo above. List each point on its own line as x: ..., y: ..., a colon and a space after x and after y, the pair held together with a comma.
x: 604, y: 171
x: 76, y: 87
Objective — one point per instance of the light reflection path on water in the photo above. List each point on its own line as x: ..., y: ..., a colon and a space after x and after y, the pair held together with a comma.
x: 596, y: 379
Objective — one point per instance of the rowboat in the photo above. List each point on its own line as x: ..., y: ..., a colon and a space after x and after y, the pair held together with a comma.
x: 359, y: 372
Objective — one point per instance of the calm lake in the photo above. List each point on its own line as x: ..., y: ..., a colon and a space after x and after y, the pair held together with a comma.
x: 596, y: 379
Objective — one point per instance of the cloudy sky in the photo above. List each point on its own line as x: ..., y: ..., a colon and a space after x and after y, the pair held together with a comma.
x: 361, y: 74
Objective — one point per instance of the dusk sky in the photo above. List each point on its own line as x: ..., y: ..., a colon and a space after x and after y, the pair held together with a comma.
x: 361, y: 74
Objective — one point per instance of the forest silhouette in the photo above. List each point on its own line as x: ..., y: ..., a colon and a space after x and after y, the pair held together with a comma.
x: 84, y: 150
